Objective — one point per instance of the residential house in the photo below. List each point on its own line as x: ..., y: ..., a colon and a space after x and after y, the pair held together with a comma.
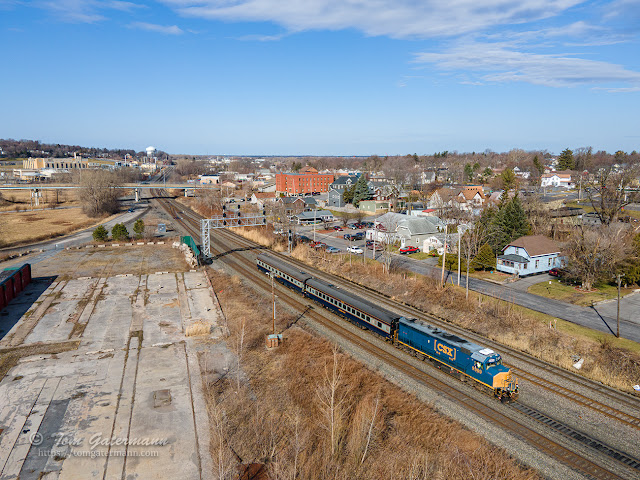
x: 406, y: 229
x: 373, y: 206
x: 295, y: 205
x: 557, y: 179
x: 338, y: 187
x: 469, y: 198
x: 260, y: 199
x: 528, y: 255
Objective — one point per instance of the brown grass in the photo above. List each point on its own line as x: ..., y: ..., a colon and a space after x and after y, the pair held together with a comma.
x: 198, y: 328
x: 28, y: 227
x: 21, y: 199
x: 276, y: 417
x: 499, y: 320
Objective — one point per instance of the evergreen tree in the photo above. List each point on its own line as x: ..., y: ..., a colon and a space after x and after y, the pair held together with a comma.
x: 119, y: 232
x: 347, y: 195
x: 506, y: 224
x: 508, y: 179
x: 485, y: 259
x: 361, y: 191
x: 100, y: 234
x: 538, y: 165
x: 565, y: 160
x: 468, y: 172
x: 138, y: 228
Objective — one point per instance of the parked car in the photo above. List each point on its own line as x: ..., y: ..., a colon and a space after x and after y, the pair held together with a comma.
x: 337, y: 228
x: 303, y: 238
x: 379, y: 247
x: 359, y: 236
x: 332, y: 249
x: 557, y: 272
x: 409, y: 249
x: 348, y: 236
x: 318, y: 245
x: 353, y: 226
x: 355, y: 249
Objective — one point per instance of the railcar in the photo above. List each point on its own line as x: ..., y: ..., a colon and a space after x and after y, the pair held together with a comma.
x: 283, y: 272
x: 463, y: 358
x: 12, y: 281
x: 358, y: 310
x: 460, y: 357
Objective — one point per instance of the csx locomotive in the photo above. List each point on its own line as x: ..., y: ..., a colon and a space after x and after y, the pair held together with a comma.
x: 460, y: 357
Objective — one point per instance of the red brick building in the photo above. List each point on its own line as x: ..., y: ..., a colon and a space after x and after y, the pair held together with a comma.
x: 307, y: 182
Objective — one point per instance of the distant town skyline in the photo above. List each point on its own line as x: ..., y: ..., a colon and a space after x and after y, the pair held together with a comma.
x: 266, y: 77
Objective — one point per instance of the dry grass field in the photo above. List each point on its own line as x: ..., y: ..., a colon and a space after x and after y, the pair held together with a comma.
x: 307, y: 410
x: 34, y: 226
x: 612, y: 361
x: 21, y: 199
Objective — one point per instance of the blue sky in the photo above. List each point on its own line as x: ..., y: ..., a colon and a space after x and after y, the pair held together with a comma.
x: 325, y: 77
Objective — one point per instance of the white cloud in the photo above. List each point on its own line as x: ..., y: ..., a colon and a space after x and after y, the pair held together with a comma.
x: 498, y: 62
x: 84, y: 11
x: 152, y: 27
x: 394, y: 18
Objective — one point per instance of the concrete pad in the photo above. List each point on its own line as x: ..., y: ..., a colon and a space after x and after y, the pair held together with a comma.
x: 109, y: 388
x: 161, y: 369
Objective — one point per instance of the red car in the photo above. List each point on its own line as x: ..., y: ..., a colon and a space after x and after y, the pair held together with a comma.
x: 318, y: 245
x: 337, y: 229
x: 409, y: 249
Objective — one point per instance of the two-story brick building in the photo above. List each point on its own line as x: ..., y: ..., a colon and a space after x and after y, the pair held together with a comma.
x: 307, y: 182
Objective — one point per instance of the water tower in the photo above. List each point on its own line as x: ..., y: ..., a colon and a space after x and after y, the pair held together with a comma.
x: 151, y: 152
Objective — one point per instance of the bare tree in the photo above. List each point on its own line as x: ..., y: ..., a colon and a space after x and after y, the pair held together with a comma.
x: 211, y: 201
x: 608, y: 192
x: 594, y: 253
x: 99, y: 192
x: 332, y: 396
x: 470, y: 243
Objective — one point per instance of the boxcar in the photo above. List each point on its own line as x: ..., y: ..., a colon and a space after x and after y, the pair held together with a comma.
x: 12, y: 281
x: 358, y: 310
x: 468, y: 359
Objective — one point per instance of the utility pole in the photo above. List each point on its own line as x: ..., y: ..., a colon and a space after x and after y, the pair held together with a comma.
x: 273, y: 296
x: 618, y: 278
x: 444, y: 257
x: 458, y: 255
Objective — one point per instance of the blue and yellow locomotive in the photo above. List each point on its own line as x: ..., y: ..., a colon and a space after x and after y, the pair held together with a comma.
x: 461, y: 357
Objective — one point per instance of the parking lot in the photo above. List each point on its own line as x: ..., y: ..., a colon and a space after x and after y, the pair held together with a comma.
x: 335, y: 238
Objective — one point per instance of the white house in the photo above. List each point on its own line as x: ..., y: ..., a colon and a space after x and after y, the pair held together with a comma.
x: 528, y: 255
x: 556, y: 179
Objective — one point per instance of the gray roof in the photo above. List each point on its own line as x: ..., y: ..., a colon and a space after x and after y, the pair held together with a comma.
x: 513, y: 258
x: 343, y: 179
x: 314, y: 214
x: 415, y: 225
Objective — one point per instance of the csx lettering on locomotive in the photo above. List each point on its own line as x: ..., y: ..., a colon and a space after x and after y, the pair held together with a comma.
x: 446, y: 350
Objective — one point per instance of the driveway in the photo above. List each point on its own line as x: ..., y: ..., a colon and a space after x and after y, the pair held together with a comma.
x: 523, y: 284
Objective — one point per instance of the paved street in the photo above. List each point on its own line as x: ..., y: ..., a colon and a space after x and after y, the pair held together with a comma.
x: 601, y: 317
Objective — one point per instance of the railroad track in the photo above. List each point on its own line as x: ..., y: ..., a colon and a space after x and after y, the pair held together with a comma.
x: 496, y: 413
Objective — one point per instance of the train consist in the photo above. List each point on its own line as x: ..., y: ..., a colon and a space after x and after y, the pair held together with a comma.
x: 12, y: 281
x: 460, y: 357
